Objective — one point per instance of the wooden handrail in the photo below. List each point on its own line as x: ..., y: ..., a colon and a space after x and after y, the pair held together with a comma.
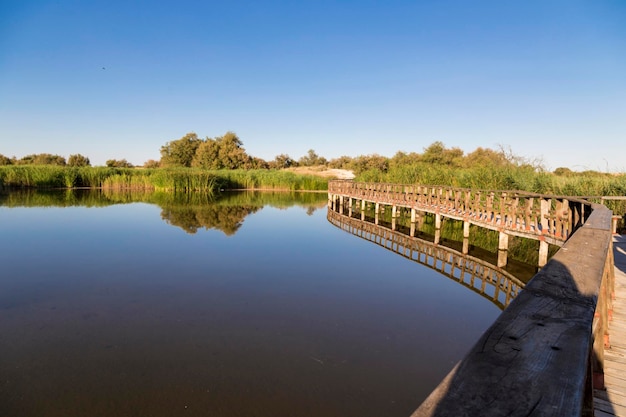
x: 544, y: 354
x: 545, y: 351
x: 539, y: 216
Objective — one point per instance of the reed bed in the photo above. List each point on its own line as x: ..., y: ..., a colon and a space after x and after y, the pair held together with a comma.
x: 524, y: 178
x: 175, y: 179
x: 271, y: 180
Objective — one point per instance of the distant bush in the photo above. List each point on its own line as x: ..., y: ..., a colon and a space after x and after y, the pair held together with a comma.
x: 121, y: 163
x: 78, y: 160
x: 5, y: 160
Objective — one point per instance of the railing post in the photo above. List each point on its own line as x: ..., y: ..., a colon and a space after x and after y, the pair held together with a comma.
x: 362, y: 209
x: 543, y: 253
x: 544, y: 217
x: 376, y: 212
x: 503, y: 249
x: 466, y: 233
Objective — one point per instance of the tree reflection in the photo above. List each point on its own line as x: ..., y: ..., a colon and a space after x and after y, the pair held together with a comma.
x: 191, y: 212
x: 227, y: 219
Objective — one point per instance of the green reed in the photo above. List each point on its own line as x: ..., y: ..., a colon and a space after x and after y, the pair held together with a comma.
x: 523, y: 178
x: 270, y: 180
x: 174, y: 179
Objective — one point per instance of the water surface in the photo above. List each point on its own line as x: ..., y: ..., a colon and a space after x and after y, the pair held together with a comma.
x: 155, y: 308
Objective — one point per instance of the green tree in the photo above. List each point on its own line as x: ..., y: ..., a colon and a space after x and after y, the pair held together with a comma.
x: 223, y: 152
x: 370, y: 162
x: 180, y: 152
x: 403, y: 159
x: 151, y: 163
x: 121, y: 163
x: 256, y: 163
x: 282, y: 161
x: 437, y: 153
x: 78, y: 160
x: 5, y: 160
x: 207, y: 155
x: 563, y: 171
x: 312, y: 159
x: 42, y: 159
x: 231, y: 153
x: 343, y: 162
x: 485, y: 157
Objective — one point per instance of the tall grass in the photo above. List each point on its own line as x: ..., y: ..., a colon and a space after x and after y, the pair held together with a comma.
x: 181, y: 179
x: 270, y: 179
x: 523, y: 178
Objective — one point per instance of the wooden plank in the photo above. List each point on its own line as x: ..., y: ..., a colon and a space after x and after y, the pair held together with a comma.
x: 609, y: 406
x: 612, y: 402
x: 613, y: 379
x: 618, y: 365
x: 616, y: 350
x: 538, y: 347
x: 616, y: 398
x: 611, y: 395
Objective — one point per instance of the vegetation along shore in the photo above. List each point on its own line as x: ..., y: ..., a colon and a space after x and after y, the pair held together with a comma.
x: 211, y: 164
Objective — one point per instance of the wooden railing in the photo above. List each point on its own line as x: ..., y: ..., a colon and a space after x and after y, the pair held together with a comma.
x: 543, y: 356
x: 551, y: 218
x: 491, y: 282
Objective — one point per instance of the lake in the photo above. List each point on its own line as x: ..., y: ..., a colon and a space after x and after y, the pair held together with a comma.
x: 251, y: 304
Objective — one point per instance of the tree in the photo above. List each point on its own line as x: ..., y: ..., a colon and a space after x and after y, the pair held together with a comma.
x: 403, y: 158
x: 207, y: 155
x: 486, y: 157
x: 42, y: 159
x: 370, y: 162
x: 5, y: 160
x: 223, y: 152
x: 180, y: 152
x: 520, y: 161
x: 282, y: 161
x: 78, y: 160
x: 312, y: 159
x: 231, y: 153
x: 343, y: 162
x: 151, y: 163
x: 563, y: 171
x: 256, y: 163
x: 122, y: 163
x: 437, y: 153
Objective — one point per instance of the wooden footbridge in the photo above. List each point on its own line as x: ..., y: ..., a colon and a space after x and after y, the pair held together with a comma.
x: 549, y: 350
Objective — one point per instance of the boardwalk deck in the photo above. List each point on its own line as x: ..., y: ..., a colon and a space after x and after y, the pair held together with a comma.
x: 612, y: 402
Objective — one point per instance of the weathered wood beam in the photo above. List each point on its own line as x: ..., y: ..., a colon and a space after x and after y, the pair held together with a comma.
x: 535, y: 359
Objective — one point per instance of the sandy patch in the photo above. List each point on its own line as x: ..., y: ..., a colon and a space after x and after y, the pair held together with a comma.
x: 341, y: 174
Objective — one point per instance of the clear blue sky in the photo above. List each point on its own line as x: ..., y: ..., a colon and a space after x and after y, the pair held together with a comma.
x: 118, y: 79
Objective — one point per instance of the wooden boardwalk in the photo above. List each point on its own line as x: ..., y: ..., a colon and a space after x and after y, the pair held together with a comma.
x: 612, y: 402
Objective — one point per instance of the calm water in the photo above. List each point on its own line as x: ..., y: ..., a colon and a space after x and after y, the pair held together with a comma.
x: 250, y: 306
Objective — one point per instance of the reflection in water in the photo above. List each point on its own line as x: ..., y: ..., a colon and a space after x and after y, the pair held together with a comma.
x: 488, y: 280
x: 112, y: 312
x: 228, y: 219
x: 189, y: 211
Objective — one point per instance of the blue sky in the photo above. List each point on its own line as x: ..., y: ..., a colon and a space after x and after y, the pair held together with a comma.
x: 118, y: 79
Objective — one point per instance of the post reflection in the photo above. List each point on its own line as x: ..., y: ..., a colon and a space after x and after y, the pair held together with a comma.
x: 491, y: 282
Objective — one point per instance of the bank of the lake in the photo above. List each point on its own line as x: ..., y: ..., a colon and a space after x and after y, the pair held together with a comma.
x: 165, y: 179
